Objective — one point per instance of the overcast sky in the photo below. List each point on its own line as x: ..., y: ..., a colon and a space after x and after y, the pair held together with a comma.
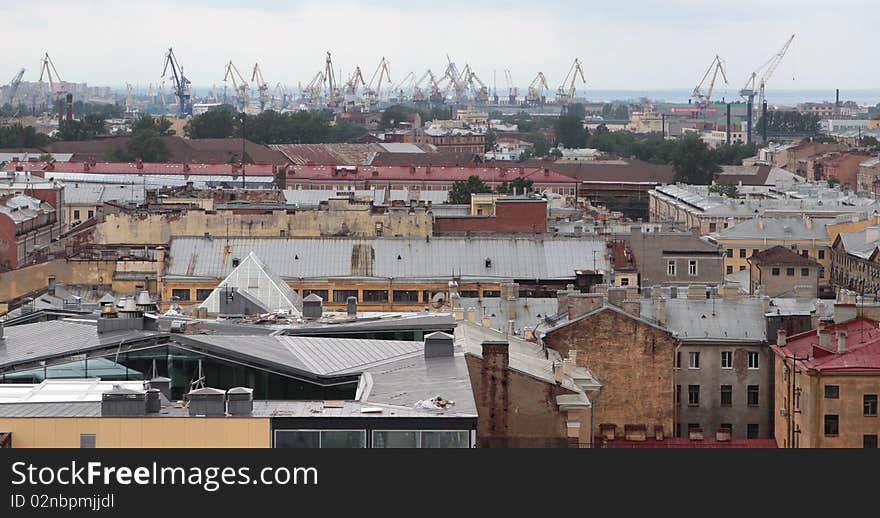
x: 623, y: 44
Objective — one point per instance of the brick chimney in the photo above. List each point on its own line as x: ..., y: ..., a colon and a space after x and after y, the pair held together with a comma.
x: 841, y: 341
x: 781, y: 338
x: 138, y: 163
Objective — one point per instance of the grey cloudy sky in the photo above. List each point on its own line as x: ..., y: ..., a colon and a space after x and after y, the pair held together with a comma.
x: 623, y: 44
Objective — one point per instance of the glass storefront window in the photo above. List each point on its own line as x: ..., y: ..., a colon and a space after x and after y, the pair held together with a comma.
x: 446, y: 439
x: 320, y: 439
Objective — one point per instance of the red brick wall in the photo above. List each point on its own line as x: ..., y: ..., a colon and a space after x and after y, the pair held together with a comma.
x: 634, y: 362
x: 515, y: 410
x: 8, y: 243
x: 509, y: 217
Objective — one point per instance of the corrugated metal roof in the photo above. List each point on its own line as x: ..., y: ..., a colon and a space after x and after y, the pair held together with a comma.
x: 711, y: 319
x: 397, y: 258
x: 42, y: 340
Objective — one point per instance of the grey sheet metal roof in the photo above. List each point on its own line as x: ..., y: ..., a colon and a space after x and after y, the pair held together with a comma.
x: 81, y: 193
x: 711, y: 319
x: 397, y: 258
x: 407, y: 381
x: 300, y: 355
x: 528, y: 311
x: 28, y: 343
x: 391, y: 322
x: 66, y: 409
x: 779, y: 228
x: 857, y: 244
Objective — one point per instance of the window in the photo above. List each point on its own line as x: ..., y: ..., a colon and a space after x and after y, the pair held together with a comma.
x: 869, y: 441
x: 693, y: 395
x: 496, y: 293
x: 678, y: 359
x: 375, y: 295
x: 76, y: 214
x: 320, y: 438
x: 789, y: 272
x: 774, y: 271
x: 805, y: 253
x: 832, y: 422
x: 742, y: 252
x: 692, y: 268
x: 341, y: 296
x: 420, y: 439
x: 754, y: 251
x: 805, y: 272
x: 832, y: 391
x: 729, y: 270
x: 713, y: 227
x: 88, y: 440
x: 91, y: 214
x: 469, y: 294
x: 821, y: 272
x: 726, y: 395
x: 753, y: 360
x: 729, y: 252
x: 726, y: 359
x: 181, y: 294
x: 693, y: 360
x: 727, y: 426
x: 741, y: 268
x: 752, y: 431
x: 406, y: 296
x: 624, y: 281
x: 870, y: 404
x: 752, y: 395
x: 670, y: 268
x: 693, y: 427
x: 678, y: 395
x: 821, y: 254
x: 202, y: 294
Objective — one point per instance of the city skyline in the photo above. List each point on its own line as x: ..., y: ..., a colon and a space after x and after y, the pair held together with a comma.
x: 615, y: 43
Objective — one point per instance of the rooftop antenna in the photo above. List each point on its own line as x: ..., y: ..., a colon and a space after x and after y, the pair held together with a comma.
x: 200, y: 381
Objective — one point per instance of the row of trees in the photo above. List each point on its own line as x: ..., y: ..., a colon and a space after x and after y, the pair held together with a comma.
x: 461, y: 190
x: 271, y: 127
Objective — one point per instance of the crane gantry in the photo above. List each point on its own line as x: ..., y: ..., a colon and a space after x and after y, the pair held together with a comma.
x: 512, y: 90
x: 239, y: 85
x: 47, y: 70
x: 535, y: 95
x: 755, y: 83
x: 262, y: 86
x: 182, y: 88
x: 703, y: 100
x: 565, y: 95
x: 373, y: 95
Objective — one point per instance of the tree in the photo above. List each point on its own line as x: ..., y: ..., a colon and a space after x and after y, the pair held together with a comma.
x: 491, y: 139
x: 571, y: 133
x: 833, y: 182
x: 724, y: 189
x: 692, y: 161
x: 518, y: 186
x: 540, y: 144
x: 216, y: 123
x: 160, y: 125
x: 18, y: 136
x: 733, y: 154
x: 87, y: 128
x: 789, y: 121
x: 460, y: 193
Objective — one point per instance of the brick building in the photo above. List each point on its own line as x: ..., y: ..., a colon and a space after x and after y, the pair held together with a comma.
x: 632, y: 357
x: 855, y: 260
x: 28, y: 226
x: 508, y: 215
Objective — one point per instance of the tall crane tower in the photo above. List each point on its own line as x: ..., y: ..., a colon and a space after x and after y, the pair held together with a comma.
x: 330, y: 78
x: 13, y: 87
x: 373, y: 95
x: 535, y: 95
x: 565, y: 95
x: 512, y: 91
x: 262, y: 86
x: 47, y: 70
x: 766, y: 72
x: 239, y: 85
x: 182, y: 85
x: 702, y: 100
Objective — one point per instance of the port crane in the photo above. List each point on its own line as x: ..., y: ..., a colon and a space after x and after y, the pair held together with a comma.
x: 280, y: 96
x: 565, y: 95
x: 703, y: 100
x: 330, y: 79
x: 354, y: 82
x: 373, y: 96
x: 13, y: 87
x: 758, y: 81
x: 403, y: 86
x: 512, y: 91
x: 47, y: 70
x: 538, y: 86
x: 456, y: 82
x: 182, y: 85
x: 478, y: 88
x: 239, y: 85
x: 262, y: 86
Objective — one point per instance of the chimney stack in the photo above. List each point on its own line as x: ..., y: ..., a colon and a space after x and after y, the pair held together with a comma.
x: 781, y: 338
x: 661, y: 311
x: 824, y: 335
x: 351, y: 307
x: 557, y: 372
x: 841, y: 341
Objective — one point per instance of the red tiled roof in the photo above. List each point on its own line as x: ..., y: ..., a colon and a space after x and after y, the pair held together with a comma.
x: 147, y: 168
x: 862, y: 348
x: 424, y: 173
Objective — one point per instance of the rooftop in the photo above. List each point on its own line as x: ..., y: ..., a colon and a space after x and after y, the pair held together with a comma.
x: 781, y: 255
x: 862, y: 351
x: 397, y: 258
x: 716, y: 319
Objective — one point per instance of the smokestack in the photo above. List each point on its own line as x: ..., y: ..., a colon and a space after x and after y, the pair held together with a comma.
x: 837, y: 101
x: 728, y: 123
x: 764, y: 121
x: 69, y: 107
